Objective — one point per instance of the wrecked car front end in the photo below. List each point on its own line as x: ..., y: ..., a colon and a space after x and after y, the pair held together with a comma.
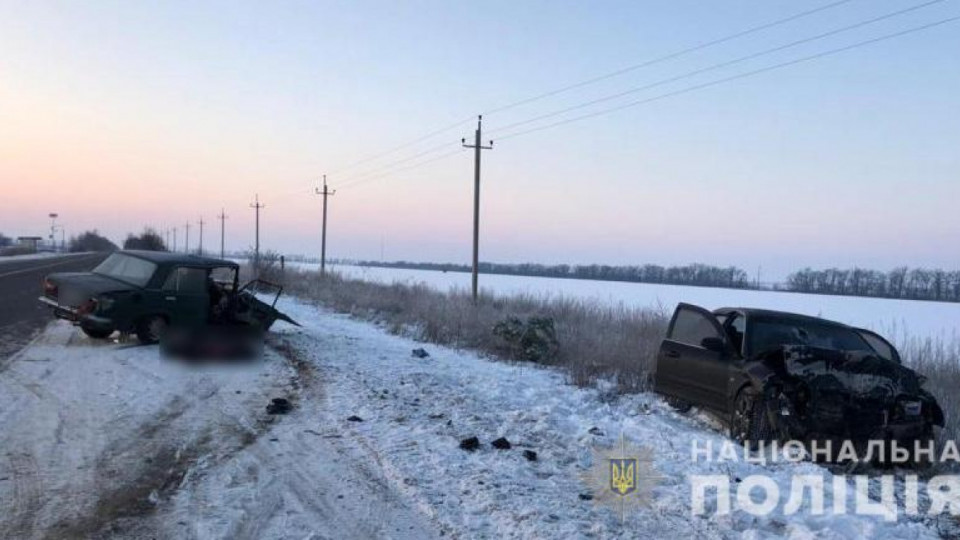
x: 822, y: 394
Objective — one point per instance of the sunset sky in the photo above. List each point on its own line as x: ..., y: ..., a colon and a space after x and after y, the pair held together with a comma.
x: 121, y: 114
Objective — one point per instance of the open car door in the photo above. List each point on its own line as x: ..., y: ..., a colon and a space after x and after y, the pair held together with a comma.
x: 694, y: 361
x: 254, y: 311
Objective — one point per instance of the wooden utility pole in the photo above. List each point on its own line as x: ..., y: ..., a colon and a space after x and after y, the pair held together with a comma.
x: 256, y: 246
x: 200, y: 249
x: 477, y: 146
x: 222, y: 217
x: 323, y: 235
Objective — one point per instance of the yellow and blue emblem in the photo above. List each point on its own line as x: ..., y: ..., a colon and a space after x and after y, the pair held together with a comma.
x: 623, y: 475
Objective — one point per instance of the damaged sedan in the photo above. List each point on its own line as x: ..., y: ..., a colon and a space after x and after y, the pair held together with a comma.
x: 151, y: 293
x: 779, y: 376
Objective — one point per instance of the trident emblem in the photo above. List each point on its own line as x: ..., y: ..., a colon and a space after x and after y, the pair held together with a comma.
x: 623, y: 475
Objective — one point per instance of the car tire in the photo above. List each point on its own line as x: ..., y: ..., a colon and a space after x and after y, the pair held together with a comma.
x: 679, y: 405
x: 749, y: 423
x: 96, y: 333
x: 149, y: 329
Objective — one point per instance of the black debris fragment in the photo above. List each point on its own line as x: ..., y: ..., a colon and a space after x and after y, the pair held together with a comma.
x: 595, y: 431
x: 501, y: 444
x: 585, y: 497
x: 530, y: 455
x: 279, y: 406
x: 354, y: 418
x: 470, y: 444
x: 420, y: 352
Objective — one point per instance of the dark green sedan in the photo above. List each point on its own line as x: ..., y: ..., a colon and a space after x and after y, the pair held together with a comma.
x: 145, y: 292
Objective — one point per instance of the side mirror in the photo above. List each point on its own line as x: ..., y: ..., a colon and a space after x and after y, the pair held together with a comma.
x: 714, y: 344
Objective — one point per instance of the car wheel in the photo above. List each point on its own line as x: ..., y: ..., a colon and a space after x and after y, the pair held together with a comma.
x: 679, y: 405
x: 96, y: 333
x: 149, y: 329
x: 749, y: 423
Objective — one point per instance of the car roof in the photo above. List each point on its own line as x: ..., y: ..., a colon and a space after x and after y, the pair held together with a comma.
x: 755, y: 312
x: 167, y: 257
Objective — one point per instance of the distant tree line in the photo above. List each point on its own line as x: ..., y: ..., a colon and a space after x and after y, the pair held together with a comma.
x: 90, y: 241
x: 692, y: 274
x: 148, y: 240
x: 902, y: 282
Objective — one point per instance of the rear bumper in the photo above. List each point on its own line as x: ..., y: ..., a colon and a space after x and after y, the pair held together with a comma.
x: 71, y: 314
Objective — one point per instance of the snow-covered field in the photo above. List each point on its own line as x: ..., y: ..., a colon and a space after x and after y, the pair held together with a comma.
x: 102, y: 439
x: 897, y: 318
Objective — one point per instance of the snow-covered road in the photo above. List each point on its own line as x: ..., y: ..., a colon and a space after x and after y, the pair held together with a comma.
x: 107, y: 440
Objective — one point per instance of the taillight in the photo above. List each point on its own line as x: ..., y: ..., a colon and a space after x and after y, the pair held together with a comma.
x: 87, y: 307
x: 49, y: 288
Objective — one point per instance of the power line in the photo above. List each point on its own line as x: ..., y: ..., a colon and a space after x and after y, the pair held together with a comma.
x: 621, y: 71
x: 670, y: 56
x: 398, y: 162
x: 733, y: 77
x: 402, y: 169
x: 719, y: 65
x: 402, y: 146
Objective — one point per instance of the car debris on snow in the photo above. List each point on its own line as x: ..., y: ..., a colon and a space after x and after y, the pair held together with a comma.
x: 279, y: 406
x: 470, y: 444
x: 501, y: 444
x: 420, y: 352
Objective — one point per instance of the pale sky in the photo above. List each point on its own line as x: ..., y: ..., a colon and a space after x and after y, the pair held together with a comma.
x: 121, y: 114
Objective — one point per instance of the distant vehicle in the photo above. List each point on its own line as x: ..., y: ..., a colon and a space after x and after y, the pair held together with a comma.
x: 777, y: 375
x: 144, y: 292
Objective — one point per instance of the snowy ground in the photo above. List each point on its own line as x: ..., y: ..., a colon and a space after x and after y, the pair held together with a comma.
x: 103, y: 439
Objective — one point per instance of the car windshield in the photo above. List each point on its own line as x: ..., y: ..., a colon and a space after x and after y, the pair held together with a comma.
x: 769, y: 334
x: 132, y: 270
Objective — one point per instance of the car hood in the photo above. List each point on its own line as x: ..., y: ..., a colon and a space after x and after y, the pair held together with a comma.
x: 74, y: 288
x: 862, y: 375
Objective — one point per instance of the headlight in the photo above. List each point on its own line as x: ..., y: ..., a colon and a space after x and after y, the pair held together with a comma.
x: 105, y: 303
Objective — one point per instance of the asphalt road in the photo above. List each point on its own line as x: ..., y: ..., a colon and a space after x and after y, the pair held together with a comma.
x: 21, y: 315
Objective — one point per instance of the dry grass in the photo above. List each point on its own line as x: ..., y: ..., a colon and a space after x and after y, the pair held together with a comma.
x: 596, y: 341
x: 939, y: 361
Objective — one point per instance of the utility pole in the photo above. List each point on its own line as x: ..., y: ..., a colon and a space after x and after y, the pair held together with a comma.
x: 256, y: 249
x: 477, y: 146
x: 222, y: 217
x: 323, y: 235
x: 186, y: 240
x: 201, y: 237
x: 174, y: 239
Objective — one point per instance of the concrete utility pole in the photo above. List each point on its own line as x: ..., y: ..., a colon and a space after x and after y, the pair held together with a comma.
x: 200, y: 249
x: 477, y: 146
x: 256, y: 249
x: 53, y: 230
x: 323, y: 235
x: 186, y: 239
x: 174, y: 239
x: 222, y: 217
